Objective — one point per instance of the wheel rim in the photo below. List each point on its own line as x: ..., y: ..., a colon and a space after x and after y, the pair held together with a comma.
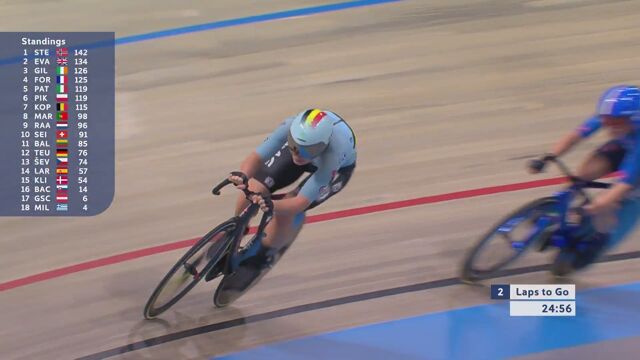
x: 508, y: 241
x: 185, y: 274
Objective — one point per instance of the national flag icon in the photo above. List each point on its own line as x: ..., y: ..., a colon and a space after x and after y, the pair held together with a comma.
x: 62, y: 52
x: 62, y: 170
x: 62, y: 134
x: 62, y: 115
x: 62, y: 143
x: 61, y: 70
x: 62, y: 97
x: 62, y: 180
x: 62, y: 61
x: 62, y: 161
x: 62, y: 196
x: 62, y: 187
x: 62, y: 124
x: 62, y: 207
x: 61, y: 88
x: 61, y: 107
x: 62, y: 153
x: 62, y: 79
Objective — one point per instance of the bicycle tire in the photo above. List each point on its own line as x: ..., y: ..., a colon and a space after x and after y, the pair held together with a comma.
x: 562, y: 265
x: 151, y: 310
x: 225, y: 293
x: 471, y: 273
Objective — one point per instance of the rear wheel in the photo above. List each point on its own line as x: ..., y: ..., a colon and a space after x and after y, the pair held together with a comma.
x: 190, y: 269
x: 249, y: 273
x: 582, y: 251
x: 509, y: 239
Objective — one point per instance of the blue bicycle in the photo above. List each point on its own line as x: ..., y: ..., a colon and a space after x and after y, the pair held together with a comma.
x: 550, y: 222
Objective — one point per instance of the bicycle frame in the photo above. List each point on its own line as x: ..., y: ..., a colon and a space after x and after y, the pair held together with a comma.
x: 242, y: 221
x: 559, y: 237
x: 565, y: 197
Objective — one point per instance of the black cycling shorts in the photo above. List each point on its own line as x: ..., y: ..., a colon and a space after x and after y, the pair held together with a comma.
x: 280, y: 171
x: 614, y: 152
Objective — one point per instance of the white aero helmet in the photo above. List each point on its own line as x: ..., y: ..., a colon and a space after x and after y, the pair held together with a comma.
x: 310, y: 132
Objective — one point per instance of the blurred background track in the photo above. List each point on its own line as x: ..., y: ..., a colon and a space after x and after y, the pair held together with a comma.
x: 443, y: 96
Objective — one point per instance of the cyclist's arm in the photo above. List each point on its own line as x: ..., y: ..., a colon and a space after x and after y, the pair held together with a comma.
x: 267, y: 149
x: 585, y: 130
x: 250, y: 164
x: 566, y: 143
x: 291, y: 206
x: 317, y: 186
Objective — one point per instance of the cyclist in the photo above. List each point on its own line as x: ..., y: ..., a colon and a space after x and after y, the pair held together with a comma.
x: 614, y: 211
x: 314, y: 141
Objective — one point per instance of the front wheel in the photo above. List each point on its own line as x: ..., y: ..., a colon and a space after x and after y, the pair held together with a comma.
x: 513, y: 235
x: 189, y: 270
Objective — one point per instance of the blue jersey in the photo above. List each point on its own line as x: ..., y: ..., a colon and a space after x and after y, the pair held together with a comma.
x: 630, y: 167
x: 340, y: 152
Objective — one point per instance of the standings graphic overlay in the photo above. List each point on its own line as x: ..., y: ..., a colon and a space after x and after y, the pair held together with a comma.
x: 538, y: 299
x: 57, y: 97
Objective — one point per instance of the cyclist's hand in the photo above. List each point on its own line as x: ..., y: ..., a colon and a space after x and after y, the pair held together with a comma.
x: 258, y: 199
x: 537, y: 165
x: 237, y: 181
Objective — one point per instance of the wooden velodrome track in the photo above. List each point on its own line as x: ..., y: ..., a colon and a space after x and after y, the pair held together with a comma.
x: 443, y: 95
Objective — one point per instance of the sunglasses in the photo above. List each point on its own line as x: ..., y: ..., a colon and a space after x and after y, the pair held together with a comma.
x: 305, y: 152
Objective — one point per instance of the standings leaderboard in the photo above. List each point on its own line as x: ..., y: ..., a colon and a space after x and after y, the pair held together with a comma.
x: 57, y: 139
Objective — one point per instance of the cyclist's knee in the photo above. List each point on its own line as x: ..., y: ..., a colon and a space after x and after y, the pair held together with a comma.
x: 289, y: 220
x: 282, y: 219
x: 593, y: 167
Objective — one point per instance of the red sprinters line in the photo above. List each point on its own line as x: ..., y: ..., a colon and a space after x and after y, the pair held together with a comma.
x: 114, y: 259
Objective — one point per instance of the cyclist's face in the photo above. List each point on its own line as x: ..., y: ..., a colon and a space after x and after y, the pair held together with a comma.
x: 617, y: 125
x: 297, y: 158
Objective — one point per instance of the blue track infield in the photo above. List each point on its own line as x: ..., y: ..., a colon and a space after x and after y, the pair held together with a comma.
x: 478, y: 332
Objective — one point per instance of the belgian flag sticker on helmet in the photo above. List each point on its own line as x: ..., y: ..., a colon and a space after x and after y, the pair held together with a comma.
x: 314, y: 117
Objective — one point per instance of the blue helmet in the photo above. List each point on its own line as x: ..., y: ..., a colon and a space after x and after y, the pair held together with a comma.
x: 621, y: 100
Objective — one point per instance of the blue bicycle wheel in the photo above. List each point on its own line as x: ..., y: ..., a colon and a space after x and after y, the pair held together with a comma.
x: 510, y: 238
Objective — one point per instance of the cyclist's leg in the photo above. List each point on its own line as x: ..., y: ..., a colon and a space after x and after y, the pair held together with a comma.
x: 607, y: 158
x: 627, y: 218
x: 274, y: 174
x: 282, y: 229
x: 600, y: 241
x: 338, y: 183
